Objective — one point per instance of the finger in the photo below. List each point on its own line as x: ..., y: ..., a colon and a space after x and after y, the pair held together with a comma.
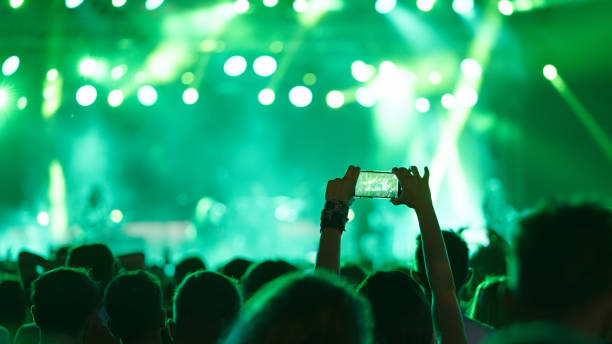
x: 395, y: 201
x: 355, y: 174
x: 426, y: 176
x: 404, y: 172
x: 348, y: 172
x: 415, y: 171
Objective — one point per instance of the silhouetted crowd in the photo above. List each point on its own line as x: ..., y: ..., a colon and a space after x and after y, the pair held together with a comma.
x: 552, y: 283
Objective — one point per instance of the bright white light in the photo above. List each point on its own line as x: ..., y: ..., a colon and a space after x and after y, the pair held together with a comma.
x: 387, y: 67
x: 435, y: 77
x: 10, y: 65
x: 463, y: 7
x: 3, y: 97
x: 116, y: 216
x: 190, y: 96
x: 365, y: 96
x: 270, y: 3
x: 119, y: 3
x: 153, y: 4
x: 43, y: 218
x: 300, y: 6
x: 471, y: 68
x: 187, y: 78
x: 73, y: 3
x: 147, y: 95
x: 448, y: 101
x: 22, y: 102
x: 115, y: 98
x: 235, y: 66
x: 140, y: 77
x: 87, y: 67
x: 118, y: 72
x: 335, y: 99
x: 86, y: 95
x: 264, y: 65
x: 425, y: 5
x: 266, y: 96
x: 422, y: 104
x: 505, y: 7
x: 48, y: 92
x: 52, y: 75
x: 385, y: 6
x: 241, y: 6
x: 550, y: 72
x: 467, y: 96
x: 16, y: 3
x: 300, y: 96
x: 361, y: 71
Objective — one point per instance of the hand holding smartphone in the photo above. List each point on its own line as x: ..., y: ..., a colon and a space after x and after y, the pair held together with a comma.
x: 377, y: 184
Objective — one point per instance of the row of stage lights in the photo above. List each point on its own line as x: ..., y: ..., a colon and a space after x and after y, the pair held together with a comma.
x: 463, y: 7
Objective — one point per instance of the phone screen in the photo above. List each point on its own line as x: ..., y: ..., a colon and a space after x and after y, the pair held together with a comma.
x: 377, y: 185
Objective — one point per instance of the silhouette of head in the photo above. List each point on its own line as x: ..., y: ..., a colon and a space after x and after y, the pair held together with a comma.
x: 63, y: 301
x: 205, y: 305
x: 13, y: 305
x: 457, y: 252
x: 399, y: 308
x: 303, y: 309
x: 97, y: 259
x: 259, y: 274
x: 187, y: 266
x: 133, y: 302
x: 489, y: 304
x: 353, y: 274
x: 236, y: 268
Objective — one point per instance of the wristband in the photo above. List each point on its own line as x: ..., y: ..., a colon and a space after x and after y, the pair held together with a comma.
x: 334, y: 215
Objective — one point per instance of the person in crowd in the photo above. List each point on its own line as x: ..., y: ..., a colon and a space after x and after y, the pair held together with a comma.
x: 64, y: 301
x: 236, y: 268
x: 13, y: 305
x: 560, y: 276
x: 458, y: 254
x: 206, y: 304
x: 303, y: 309
x: 353, y: 274
x: 133, y: 301
x: 490, y: 303
x: 187, y: 266
x: 260, y: 274
x: 399, y: 308
x: 5, y: 337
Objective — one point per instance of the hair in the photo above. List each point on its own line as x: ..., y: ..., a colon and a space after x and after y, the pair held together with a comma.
x: 187, y: 266
x: 458, y: 254
x: 13, y: 304
x: 353, y: 274
x: 133, y: 301
x: 304, y: 309
x: 63, y: 300
x: 205, y: 305
x: 562, y: 258
x: 399, y: 308
x: 489, y: 304
x: 236, y: 268
x: 95, y: 258
x: 259, y: 274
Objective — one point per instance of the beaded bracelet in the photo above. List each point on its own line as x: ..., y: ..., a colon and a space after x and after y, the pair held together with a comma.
x: 334, y: 215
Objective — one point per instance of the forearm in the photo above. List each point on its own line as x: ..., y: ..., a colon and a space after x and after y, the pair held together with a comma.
x: 328, y: 256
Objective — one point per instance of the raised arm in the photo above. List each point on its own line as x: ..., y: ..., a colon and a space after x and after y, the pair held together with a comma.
x: 447, y: 315
x: 338, y: 197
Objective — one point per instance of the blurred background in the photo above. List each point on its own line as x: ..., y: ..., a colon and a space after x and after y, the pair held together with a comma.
x: 183, y: 127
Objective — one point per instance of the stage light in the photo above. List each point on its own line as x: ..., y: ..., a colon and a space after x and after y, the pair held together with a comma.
x: 16, y: 3
x: 266, y: 96
x: 241, y: 6
x: 119, y: 3
x: 116, y: 216
x: 425, y: 5
x: 270, y: 3
x: 300, y: 96
x: 190, y: 96
x: 309, y: 79
x: 505, y: 7
x: 235, y: 66
x: 118, y: 72
x: 361, y: 71
x: 22, y: 102
x: 463, y: 7
x: 115, y: 98
x: 300, y: 6
x: 365, y: 96
x: 86, y: 95
x: 448, y: 101
x: 52, y: 75
x: 335, y: 99
x: 153, y: 4
x: 387, y: 67
x: 264, y: 66
x: 385, y: 6
x: 435, y: 77
x: 276, y: 47
x: 3, y: 97
x: 187, y: 78
x: 422, y: 104
x: 466, y: 96
x: 48, y: 92
x: 471, y: 68
x: 87, y: 67
x: 550, y: 72
x: 43, y: 218
x: 73, y: 3
x: 10, y: 65
x: 147, y: 95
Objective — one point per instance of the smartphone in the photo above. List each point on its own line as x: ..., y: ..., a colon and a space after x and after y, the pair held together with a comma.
x: 375, y: 184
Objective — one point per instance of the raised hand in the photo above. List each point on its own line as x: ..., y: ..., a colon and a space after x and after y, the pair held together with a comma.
x: 415, y: 189
x: 343, y: 189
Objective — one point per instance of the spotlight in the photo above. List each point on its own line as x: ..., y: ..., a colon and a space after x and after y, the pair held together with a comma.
x: 505, y: 7
x: 300, y: 96
x: 264, y: 66
x: 365, y: 96
x: 16, y: 3
x: 467, y: 96
x: 241, y: 6
x: 22, y: 102
x: 235, y: 66
x: 335, y: 99
x: 448, y: 101
x: 435, y: 77
x: 471, y: 68
x: 116, y: 216
x: 115, y: 98
x: 463, y: 7
x: 266, y: 96
x: 119, y: 3
x: 52, y: 75
x: 153, y: 4
x: 86, y: 95
x: 300, y: 6
x: 270, y: 3
x: 425, y: 5
x: 3, y: 97
x: 147, y: 95
x: 43, y: 218
x: 190, y: 96
x: 10, y: 65
x: 87, y: 67
x: 385, y: 6
x: 550, y: 72
x: 118, y: 72
x: 422, y: 104
x: 73, y: 3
